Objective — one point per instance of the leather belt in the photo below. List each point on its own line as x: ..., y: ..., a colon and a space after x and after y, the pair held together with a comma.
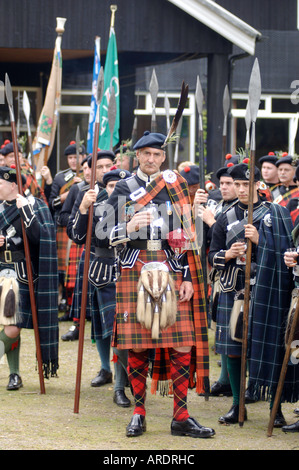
x: 149, y: 245
x: 104, y: 252
x: 8, y: 256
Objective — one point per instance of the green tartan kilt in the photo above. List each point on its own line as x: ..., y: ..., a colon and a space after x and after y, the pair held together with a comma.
x: 128, y: 332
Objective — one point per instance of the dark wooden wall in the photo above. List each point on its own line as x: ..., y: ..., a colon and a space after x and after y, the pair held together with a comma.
x: 140, y: 25
x: 279, y: 15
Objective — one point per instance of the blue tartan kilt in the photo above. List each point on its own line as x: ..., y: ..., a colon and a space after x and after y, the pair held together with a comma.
x: 224, y: 344
x: 77, y: 294
x: 103, y: 311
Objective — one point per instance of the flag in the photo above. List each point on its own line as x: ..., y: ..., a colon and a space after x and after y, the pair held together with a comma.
x: 93, y: 103
x: 110, y: 80
x: 46, y: 129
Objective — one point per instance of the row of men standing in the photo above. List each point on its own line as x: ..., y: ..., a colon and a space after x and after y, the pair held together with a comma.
x: 217, y: 260
x: 271, y: 280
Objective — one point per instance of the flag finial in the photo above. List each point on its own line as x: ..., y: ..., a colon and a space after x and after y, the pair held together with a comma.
x: 60, y: 22
x: 113, y: 9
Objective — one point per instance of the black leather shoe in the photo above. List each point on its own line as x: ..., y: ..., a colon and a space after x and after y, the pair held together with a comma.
x: 291, y: 427
x: 219, y: 389
x: 15, y: 382
x: 191, y: 428
x: 232, y: 417
x: 72, y: 334
x: 279, y: 421
x: 249, y: 398
x: 103, y: 377
x: 136, y: 426
x: 121, y: 399
x: 65, y: 317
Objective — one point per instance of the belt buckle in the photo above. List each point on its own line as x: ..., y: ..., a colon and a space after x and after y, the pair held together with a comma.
x: 7, y: 256
x: 154, y: 245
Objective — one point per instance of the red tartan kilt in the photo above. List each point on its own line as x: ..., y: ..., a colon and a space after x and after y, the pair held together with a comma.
x: 128, y: 332
x: 62, y: 241
x: 72, y: 267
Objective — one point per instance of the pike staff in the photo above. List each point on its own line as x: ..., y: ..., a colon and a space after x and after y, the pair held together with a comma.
x: 9, y: 98
x: 77, y: 151
x: 100, y: 92
x: 167, y: 112
x: 226, y: 105
x: 199, y: 98
x: 254, y: 101
x: 283, y: 371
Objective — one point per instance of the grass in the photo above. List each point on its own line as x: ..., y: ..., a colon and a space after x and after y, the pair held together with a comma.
x: 31, y: 421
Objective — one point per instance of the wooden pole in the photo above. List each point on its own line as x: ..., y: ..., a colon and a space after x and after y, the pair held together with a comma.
x: 88, y: 244
x: 254, y: 98
x: 25, y: 239
x: 283, y: 371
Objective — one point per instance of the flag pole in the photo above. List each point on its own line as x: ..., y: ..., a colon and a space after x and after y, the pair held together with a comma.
x: 47, y: 124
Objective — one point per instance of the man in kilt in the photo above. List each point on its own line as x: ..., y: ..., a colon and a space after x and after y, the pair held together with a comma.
x: 209, y: 215
x: 104, y: 163
x: 61, y: 185
x: 270, y: 235
x: 75, y: 252
x: 102, y: 276
x: 145, y: 211
x: 15, y: 306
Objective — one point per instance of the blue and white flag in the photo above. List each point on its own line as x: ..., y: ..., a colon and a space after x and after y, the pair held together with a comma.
x: 93, y: 104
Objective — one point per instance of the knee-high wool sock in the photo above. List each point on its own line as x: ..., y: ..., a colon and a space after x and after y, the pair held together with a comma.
x: 223, y: 379
x: 137, y: 372
x: 103, y: 347
x: 180, y: 371
x: 13, y: 356
x: 234, y: 371
x: 10, y: 347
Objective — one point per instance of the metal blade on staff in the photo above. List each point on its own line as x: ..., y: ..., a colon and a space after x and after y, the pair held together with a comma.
x: 100, y: 92
x: 9, y: 97
x: 26, y: 110
x: 254, y: 100
x: 154, y: 89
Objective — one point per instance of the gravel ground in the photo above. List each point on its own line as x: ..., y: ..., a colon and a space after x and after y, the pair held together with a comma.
x: 33, y: 421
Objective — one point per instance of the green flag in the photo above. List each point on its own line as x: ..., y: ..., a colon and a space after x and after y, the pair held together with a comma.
x: 110, y: 80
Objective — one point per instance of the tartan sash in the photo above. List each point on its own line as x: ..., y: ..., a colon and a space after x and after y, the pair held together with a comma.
x: 285, y: 198
x: 179, y: 195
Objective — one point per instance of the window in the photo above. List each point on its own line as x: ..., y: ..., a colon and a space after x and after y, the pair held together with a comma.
x: 34, y: 96
x: 276, y: 125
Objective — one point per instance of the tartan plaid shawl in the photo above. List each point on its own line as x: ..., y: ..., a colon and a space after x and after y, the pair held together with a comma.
x: 46, y: 288
x: 285, y: 198
x: 179, y: 195
x: 31, y: 182
x: 271, y: 301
